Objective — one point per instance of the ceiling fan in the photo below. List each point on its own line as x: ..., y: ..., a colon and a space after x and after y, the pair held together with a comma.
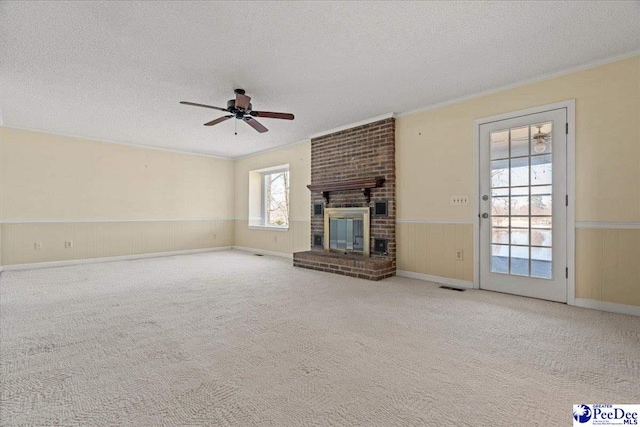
x: 241, y: 109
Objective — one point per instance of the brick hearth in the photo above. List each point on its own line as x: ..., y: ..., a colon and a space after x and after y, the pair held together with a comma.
x: 346, y: 264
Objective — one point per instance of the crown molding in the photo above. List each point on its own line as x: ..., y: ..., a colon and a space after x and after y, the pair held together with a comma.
x: 354, y: 125
x: 127, y: 144
x: 359, y: 123
x: 268, y: 150
x: 521, y: 83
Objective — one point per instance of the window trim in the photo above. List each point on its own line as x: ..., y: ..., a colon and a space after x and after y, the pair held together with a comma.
x: 260, y: 223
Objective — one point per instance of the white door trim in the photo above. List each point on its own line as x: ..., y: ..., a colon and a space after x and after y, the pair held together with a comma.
x: 571, y: 209
x: 570, y: 105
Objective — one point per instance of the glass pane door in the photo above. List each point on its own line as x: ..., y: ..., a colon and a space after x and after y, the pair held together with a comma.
x: 346, y: 234
x: 522, y: 174
x: 521, y: 200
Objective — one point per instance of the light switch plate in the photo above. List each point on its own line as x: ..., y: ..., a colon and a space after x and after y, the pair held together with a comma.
x: 459, y: 200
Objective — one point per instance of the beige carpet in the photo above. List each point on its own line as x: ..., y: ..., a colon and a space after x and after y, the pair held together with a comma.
x: 228, y: 338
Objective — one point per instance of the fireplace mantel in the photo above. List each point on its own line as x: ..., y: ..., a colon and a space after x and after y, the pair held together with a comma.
x: 365, y: 185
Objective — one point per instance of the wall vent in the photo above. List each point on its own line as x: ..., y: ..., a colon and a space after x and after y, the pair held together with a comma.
x: 380, y: 246
x: 451, y: 288
x: 380, y: 209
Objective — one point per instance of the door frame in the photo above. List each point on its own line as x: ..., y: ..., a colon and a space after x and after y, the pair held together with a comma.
x: 570, y: 106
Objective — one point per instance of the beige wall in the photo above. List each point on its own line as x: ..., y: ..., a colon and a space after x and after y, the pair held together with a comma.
x: 106, y: 239
x: 434, y: 149
x: 298, y: 236
x: 425, y: 248
x: 57, y: 177
x: 109, y: 199
x: 434, y: 154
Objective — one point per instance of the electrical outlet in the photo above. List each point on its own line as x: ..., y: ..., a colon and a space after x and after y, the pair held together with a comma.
x: 459, y: 200
x: 459, y: 255
x: 68, y: 244
x: 37, y: 246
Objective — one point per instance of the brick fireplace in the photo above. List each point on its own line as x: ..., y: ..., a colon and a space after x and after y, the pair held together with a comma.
x: 350, y: 170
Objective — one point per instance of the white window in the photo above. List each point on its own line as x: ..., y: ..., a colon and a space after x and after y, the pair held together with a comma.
x: 269, y: 197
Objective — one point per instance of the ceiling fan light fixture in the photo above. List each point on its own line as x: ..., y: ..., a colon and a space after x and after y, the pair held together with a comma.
x: 540, y: 139
x: 540, y: 147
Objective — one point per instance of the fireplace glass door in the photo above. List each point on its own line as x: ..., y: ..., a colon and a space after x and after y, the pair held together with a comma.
x: 346, y: 234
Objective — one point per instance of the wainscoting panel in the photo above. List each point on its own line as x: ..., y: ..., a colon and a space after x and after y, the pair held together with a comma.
x: 430, y: 248
x: 100, y: 239
x: 608, y: 265
x: 288, y: 241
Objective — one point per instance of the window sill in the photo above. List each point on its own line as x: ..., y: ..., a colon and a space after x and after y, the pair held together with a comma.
x: 268, y: 227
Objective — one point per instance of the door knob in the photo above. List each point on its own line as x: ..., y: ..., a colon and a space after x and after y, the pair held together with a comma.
x: 485, y: 197
x: 485, y: 215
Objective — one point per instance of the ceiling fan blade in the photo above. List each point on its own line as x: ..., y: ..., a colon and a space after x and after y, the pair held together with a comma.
x: 272, y: 115
x: 202, y: 105
x: 242, y: 101
x: 218, y: 120
x: 255, y: 124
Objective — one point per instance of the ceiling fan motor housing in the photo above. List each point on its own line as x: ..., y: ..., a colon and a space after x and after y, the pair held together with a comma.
x: 231, y: 106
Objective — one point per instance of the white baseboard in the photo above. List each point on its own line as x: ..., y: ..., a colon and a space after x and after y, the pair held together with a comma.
x: 612, y: 307
x: 263, y: 252
x: 437, y: 279
x: 107, y: 259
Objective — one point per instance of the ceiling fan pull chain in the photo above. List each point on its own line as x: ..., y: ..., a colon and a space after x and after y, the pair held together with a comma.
x: 235, y: 124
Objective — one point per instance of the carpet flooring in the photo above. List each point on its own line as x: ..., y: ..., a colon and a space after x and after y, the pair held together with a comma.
x: 228, y: 338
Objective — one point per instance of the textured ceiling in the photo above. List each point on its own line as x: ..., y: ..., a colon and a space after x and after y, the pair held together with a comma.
x: 117, y: 70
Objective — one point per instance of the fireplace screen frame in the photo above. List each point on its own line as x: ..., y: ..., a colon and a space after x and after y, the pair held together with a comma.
x: 349, y: 213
